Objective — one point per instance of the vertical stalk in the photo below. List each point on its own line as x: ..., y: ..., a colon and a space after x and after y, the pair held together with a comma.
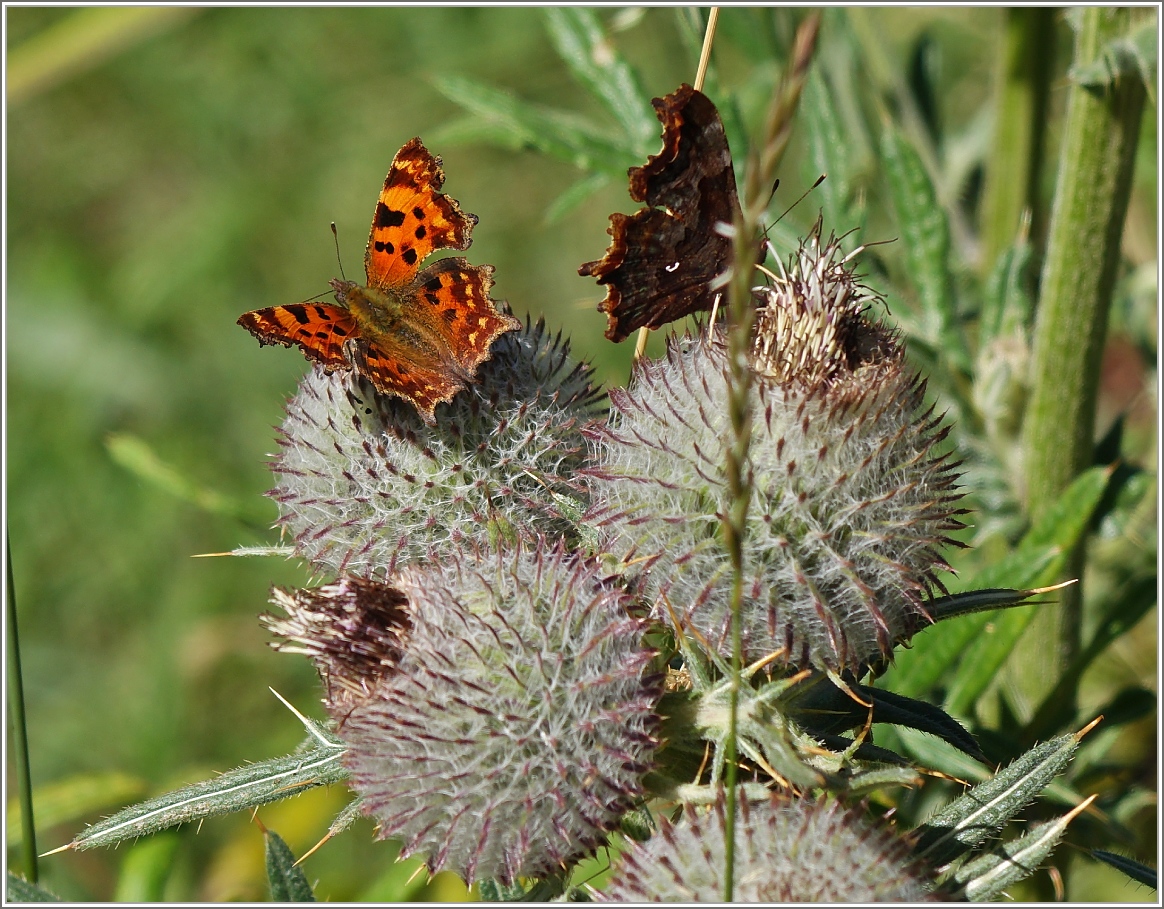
x: 19, y: 728
x: 1016, y: 154
x: 1083, y: 250
x: 761, y: 171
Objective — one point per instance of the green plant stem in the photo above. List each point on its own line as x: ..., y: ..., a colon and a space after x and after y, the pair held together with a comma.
x: 761, y: 171
x: 1023, y: 86
x: 19, y: 728
x: 1091, y: 200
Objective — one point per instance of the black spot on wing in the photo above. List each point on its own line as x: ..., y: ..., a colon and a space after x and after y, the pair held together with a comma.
x: 418, y: 213
x: 300, y: 314
x: 383, y: 247
x: 420, y: 232
x: 409, y: 256
x: 387, y: 217
x: 433, y: 284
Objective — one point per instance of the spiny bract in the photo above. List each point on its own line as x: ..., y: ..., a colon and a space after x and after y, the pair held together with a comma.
x: 516, y: 729
x: 364, y: 485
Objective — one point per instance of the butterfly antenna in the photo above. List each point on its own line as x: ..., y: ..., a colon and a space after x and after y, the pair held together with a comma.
x: 339, y: 261
x: 803, y: 196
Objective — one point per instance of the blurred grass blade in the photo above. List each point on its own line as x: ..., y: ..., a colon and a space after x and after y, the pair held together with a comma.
x: 988, y: 876
x: 145, y: 870
x: 287, y: 881
x: 560, y: 134
x: 18, y: 724
x: 21, y: 891
x: 81, y: 42
x: 136, y: 456
x: 75, y: 797
x: 1062, y: 527
x: 1138, y: 872
x: 976, y: 816
x: 245, y: 787
x: 575, y: 195
x: 580, y: 41
x: 925, y: 237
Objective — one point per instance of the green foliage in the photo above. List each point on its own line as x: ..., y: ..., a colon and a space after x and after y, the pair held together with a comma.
x: 168, y: 172
x: 288, y: 882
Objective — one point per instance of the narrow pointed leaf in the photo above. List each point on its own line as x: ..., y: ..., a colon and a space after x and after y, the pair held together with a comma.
x: 288, y: 883
x: 21, y: 891
x: 968, y: 821
x: 574, y: 196
x: 245, y: 787
x: 1137, y: 871
x: 988, y: 876
x: 1007, y: 306
x: 559, y: 134
x: 579, y: 38
x: 925, y: 239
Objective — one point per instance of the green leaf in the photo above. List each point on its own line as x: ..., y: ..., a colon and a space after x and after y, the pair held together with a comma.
x: 584, y: 46
x: 1007, y: 307
x: 988, y: 876
x: 828, y: 153
x: 246, y: 787
x: 288, y: 882
x: 575, y: 195
x: 564, y: 135
x: 971, y: 819
x: 925, y: 238
x: 1134, y: 54
x: 1061, y: 527
x: 21, y: 891
x: 1137, y: 871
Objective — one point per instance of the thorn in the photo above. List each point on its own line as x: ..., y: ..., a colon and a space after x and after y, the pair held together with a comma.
x: 209, y: 555
x: 1035, y: 590
x: 307, y: 724
x: 303, y: 858
x: 63, y: 848
x: 1086, y: 729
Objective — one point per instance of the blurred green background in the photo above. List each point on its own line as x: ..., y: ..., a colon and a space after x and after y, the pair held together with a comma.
x: 171, y: 169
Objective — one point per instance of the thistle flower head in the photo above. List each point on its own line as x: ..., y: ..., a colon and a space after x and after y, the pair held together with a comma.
x: 786, y: 851
x: 364, y: 485
x: 850, y: 502
x: 352, y: 630
x: 516, y: 729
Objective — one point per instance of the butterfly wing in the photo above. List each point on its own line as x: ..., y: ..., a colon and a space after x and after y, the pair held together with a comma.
x: 452, y: 299
x: 412, y: 219
x: 663, y: 260
x: 320, y: 329
x: 425, y: 385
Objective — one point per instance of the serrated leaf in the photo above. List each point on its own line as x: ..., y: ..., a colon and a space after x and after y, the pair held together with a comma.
x: 21, y: 891
x: 245, y: 787
x: 288, y: 883
x: 584, y: 46
x: 564, y: 135
x: 575, y: 195
x: 925, y: 238
x: 969, y: 820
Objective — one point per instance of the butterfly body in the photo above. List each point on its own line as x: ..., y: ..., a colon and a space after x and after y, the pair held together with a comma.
x: 414, y: 334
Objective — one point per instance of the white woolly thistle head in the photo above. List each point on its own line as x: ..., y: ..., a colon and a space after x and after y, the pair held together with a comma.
x: 364, y: 485
x: 515, y: 728
x: 787, y: 851
x: 851, y: 501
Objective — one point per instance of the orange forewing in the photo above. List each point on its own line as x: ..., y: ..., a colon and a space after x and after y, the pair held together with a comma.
x: 412, y: 219
x: 320, y: 329
x: 417, y: 335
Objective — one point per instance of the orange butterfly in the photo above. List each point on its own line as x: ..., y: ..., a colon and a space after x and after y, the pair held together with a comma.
x: 418, y: 335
